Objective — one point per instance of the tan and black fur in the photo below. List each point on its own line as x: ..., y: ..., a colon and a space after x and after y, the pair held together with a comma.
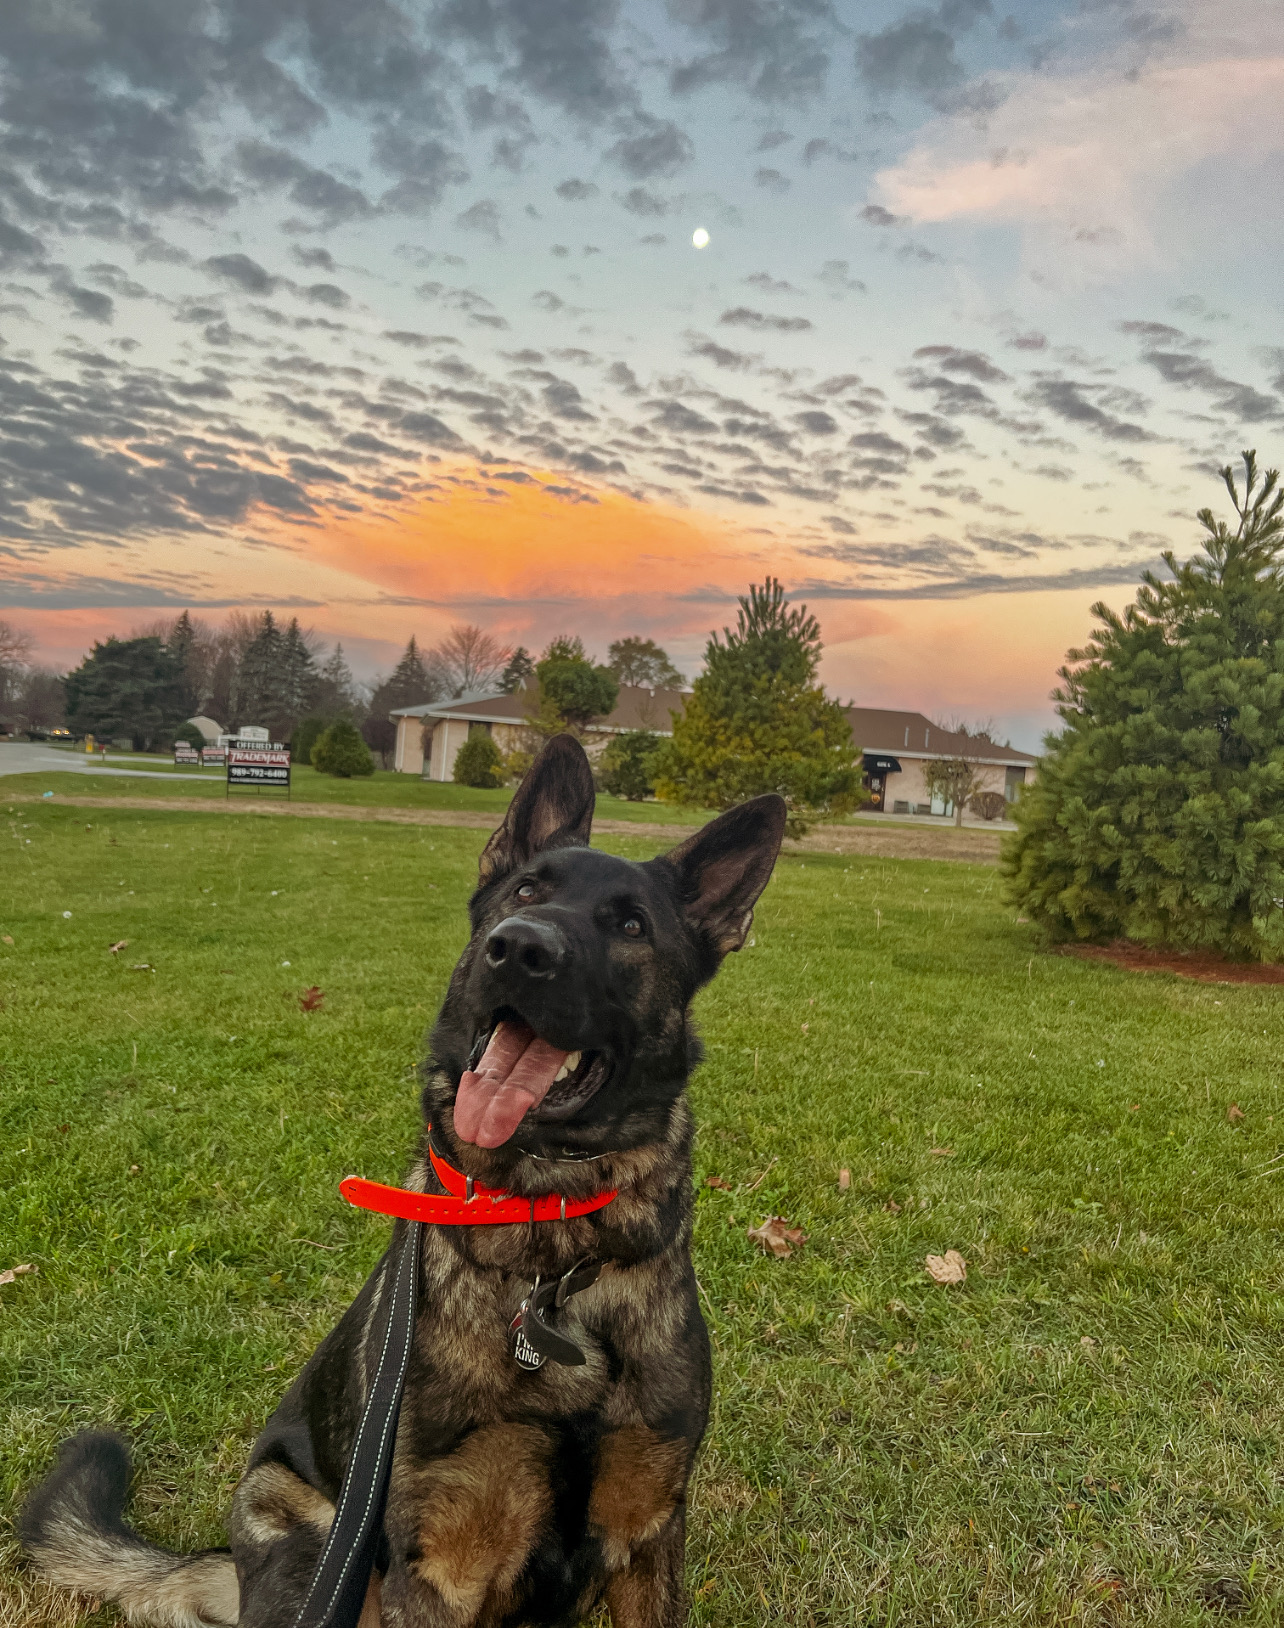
x: 516, y: 1497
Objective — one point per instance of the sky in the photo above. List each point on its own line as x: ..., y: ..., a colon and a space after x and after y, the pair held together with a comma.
x: 392, y: 315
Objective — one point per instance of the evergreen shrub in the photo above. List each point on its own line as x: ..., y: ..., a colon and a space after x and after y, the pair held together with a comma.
x: 479, y: 762
x: 339, y: 750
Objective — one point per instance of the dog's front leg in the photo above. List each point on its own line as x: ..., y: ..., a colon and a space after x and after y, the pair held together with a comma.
x: 651, y: 1592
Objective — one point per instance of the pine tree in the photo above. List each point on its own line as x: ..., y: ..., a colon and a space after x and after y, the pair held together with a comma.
x: 183, y: 646
x: 298, y: 680
x: 341, y: 751
x: 336, y: 691
x: 126, y: 687
x: 758, y: 720
x: 521, y: 666
x: 1158, y: 811
x: 259, y: 699
x: 412, y: 682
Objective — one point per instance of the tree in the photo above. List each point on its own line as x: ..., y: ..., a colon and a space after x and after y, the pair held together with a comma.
x: 471, y: 658
x: 958, y: 778
x: 521, y: 666
x: 627, y: 766
x: 757, y: 719
x: 336, y: 691
x: 307, y: 733
x: 298, y: 679
x: 1158, y: 811
x: 341, y: 751
x: 258, y: 698
x: 40, y: 702
x: 479, y: 762
x: 572, y: 691
x: 641, y: 661
x: 128, y: 687
x: 380, y: 735
x: 412, y: 682
x: 16, y: 645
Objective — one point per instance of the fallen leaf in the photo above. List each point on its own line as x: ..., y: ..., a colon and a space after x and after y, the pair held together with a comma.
x: 844, y: 1180
x: 1234, y: 1112
x: 15, y: 1272
x: 7, y: 939
x: 941, y: 1153
x: 142, y: 966
x: 892, y: 1207
x: 310, y: 1000
x: 1087, y: 1342
x: 717, y: 1181
x: 947, y: 1268
x: 117, y: 947
x: 776, y: 1236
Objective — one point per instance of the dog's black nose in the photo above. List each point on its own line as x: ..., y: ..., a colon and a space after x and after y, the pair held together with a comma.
x: 524, y: 945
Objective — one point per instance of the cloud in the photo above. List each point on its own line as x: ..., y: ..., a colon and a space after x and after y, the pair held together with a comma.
x: 734, y: 360
x: 771, y: 180
x: 653, y: 147
x: 575, y: 191
x: 483, y: 217
x: 307, y: 187
x: 876, y: 215
x: 777, y: 51
x: 1088, y: 158
x: 243, y: 272
x: 638, y: 201
x: 742, y: 317
x: 970, y: 362
x: 1071, y: 401
x: 917, y: 54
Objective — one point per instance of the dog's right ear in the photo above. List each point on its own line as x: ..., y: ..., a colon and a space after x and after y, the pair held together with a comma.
x: 552, y: 808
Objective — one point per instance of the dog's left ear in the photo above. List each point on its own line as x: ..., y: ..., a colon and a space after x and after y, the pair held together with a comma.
x: 552, y: 808
x: 723, y: 868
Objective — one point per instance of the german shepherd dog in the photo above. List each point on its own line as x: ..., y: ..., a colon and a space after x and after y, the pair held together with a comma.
x: 519, y: 1494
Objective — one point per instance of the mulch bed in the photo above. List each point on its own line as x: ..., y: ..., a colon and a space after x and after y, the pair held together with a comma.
x: 1198, y: 964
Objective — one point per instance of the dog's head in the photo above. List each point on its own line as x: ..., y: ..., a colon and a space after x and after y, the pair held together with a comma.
x: 566, y: 1028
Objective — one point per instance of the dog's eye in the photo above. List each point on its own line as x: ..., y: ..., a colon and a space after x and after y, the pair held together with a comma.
x: 526, y: 891
x: 633, y: 928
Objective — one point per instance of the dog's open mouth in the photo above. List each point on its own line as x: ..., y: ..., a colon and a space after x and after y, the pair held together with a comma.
x: 520, y: 1074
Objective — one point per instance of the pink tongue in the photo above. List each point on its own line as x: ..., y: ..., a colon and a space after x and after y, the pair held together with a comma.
x: 512, y: 1078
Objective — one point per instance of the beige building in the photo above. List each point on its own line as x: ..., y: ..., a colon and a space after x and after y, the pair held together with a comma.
x: 896, y: 748
x: 429, y: 736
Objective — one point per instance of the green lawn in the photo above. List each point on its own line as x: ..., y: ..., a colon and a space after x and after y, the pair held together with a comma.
x: 1086, y: 1431
x: 383, y: 789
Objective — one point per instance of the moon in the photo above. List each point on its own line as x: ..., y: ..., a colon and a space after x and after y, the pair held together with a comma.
x: 700, y: 238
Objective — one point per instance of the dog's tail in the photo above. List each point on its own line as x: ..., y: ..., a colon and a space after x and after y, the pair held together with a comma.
x: 74, y: 1527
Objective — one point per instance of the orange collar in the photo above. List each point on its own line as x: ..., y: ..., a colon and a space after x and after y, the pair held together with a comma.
x: 466, y: 1203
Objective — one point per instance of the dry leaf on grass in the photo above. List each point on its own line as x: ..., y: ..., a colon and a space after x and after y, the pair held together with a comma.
x: 941, y: 1153
x: 947, y: 1268
x: 1234, y: 1112
x: 844, y: 1180
x: 117, y: 947
x: 892, y: 1207
x: 718, y: 1182
x: 7, y: 939
x: 776, y: 1236
x: 310, y: 1000
x: 15, y: 1272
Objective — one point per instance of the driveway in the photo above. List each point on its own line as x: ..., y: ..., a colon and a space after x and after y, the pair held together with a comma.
x: 19, y: 757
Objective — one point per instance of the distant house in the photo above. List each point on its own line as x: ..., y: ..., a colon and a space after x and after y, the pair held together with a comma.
x: 208, y: 728
x: 429, y: 736
x: 896, y: 747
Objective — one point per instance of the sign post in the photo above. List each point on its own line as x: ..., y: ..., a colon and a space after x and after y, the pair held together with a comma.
x: 185, y: 752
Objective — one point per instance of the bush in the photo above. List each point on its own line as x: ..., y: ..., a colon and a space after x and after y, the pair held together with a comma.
x: 191, y: 734
x: 479, y: 762
x: 988, y: 805
x: 517, y: 765
x: 380, y: 735
x: 305, y: 737
x: 341, y: 751
x: 1158, y: 812
x: 625, y: 769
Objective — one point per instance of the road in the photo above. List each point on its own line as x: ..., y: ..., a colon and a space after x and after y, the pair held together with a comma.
x: 18, y: 757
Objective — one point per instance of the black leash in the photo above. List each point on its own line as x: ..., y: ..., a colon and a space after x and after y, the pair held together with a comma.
x: 337, y: 1593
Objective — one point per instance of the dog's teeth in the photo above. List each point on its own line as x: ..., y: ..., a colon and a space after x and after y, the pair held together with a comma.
x: 561, y: 1073
x: 572, y: 1061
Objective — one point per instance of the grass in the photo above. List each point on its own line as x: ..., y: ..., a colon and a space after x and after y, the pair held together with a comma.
x: 382, y: 789
x: 1086, y: 1431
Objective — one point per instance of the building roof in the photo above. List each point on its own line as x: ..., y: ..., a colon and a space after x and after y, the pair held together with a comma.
x: 207, y: 727
x: 910, y: 734
x: 636, y: 708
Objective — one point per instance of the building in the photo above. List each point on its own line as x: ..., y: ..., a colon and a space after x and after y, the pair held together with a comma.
x: 429, y: 736
x: 897, y: 746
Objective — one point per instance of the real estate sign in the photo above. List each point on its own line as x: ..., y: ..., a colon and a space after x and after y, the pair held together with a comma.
x: 258, y: 765
x: 213, y: 756
x: 185, y: 752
